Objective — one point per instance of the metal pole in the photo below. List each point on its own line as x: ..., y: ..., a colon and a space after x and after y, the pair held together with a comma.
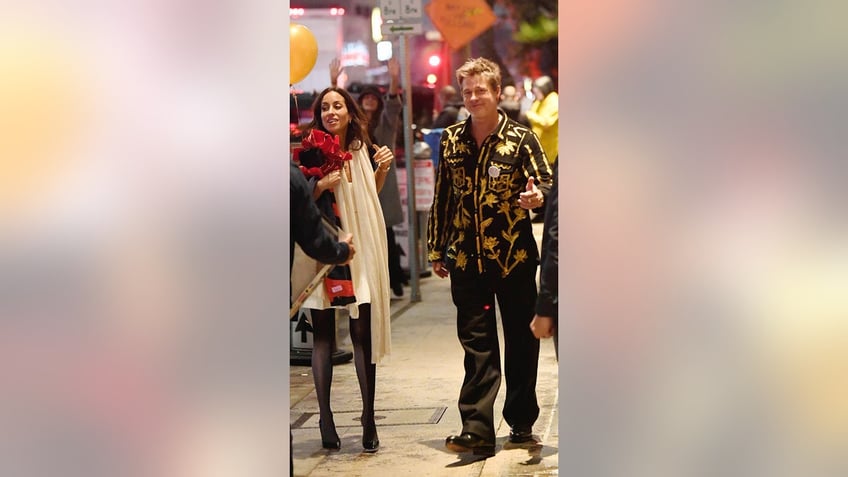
x: 415, y: 292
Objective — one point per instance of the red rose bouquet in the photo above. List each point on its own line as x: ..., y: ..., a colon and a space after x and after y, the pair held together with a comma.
x: 320, y: 153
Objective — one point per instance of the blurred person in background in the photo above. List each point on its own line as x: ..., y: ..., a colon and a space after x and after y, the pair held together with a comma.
x: 525, y: 100
x: 543, y: 116
x: 510, y: 104
x: 450, y: 108
x: 383, y: 113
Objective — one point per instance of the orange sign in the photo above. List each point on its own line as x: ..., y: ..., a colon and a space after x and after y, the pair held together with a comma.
x: 460, y: 21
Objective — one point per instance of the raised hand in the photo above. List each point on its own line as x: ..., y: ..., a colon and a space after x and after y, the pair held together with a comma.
x: 394, y: 68
x: 335, y: 71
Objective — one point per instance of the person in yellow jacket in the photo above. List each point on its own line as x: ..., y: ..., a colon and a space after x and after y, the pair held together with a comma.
x: 543, y: 116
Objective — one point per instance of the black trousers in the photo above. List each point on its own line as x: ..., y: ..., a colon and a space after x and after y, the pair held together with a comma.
x: 474, y: 295
x: 396, y: 276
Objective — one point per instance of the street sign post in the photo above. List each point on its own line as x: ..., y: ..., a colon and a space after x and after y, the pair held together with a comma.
x: 403, y: 18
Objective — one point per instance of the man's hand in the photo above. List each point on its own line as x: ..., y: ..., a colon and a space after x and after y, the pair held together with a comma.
x: 440, y: 269
x: 542, y: 326
x: 347, y: 238
x: 532, y: 197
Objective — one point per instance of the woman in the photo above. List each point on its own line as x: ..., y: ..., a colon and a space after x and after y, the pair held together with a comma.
x: 355, y: 188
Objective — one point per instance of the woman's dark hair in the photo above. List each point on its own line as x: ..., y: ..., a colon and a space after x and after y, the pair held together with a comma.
x: 374, y: 120
x: 356, y: 128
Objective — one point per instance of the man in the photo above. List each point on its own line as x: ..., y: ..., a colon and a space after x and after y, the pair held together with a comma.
x: 492, y: 172
x: 510, y: 104
x: 450, y: 110
x: 544, y: 324
x: 312, y: 237
x: 310, y: 233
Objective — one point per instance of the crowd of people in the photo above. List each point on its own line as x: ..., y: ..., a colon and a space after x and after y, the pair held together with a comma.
x: 495, y: 167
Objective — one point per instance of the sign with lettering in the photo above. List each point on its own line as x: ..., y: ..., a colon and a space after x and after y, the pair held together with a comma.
x: 390, y: 9
x: 460, y: 21
x: 410, y: 9
x: 401, y: 17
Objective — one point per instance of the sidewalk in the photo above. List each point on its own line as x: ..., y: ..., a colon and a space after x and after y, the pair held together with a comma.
x: 417, y: 389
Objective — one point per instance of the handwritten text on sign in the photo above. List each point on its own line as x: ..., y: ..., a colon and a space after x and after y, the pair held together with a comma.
x: 460, y: 21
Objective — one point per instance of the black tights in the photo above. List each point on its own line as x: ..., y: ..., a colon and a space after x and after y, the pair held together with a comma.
x: 324, y: 329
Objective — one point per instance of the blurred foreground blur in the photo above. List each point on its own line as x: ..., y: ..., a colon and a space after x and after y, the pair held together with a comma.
x: 704, y: 261
x: 142, y: 237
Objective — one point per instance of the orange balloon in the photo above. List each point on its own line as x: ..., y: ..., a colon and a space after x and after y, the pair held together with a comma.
x: 303, y: 52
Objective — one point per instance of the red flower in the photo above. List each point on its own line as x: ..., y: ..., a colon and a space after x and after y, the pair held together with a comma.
x: 330, y: 151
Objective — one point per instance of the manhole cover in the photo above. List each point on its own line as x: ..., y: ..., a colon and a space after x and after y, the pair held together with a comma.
x: 385, y: 417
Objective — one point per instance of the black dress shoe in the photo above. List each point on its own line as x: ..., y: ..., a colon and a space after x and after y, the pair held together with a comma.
x: 468, y: 442
x: 521, y: 434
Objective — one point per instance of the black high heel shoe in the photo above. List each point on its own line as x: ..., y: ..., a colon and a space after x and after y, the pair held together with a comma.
x: 332, y: 442
x: 370, y: 442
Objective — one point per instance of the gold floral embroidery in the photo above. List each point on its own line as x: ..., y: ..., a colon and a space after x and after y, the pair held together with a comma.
x: 485, y: 224
x: 521, y: 255
x: 505, y: 148
x: 489, y: 223
x: 457, y: 146
x: 490, y: 243
x: 511, y: 258
x: 461, y: 260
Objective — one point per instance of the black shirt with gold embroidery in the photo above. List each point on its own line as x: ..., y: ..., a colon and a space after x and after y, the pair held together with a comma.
x: 475, y: 220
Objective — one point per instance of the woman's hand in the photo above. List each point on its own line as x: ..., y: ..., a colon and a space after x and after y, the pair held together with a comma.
x: 329, y: 181
x: 384, y: 157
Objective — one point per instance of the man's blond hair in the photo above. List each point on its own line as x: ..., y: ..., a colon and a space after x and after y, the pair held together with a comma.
x: 488, y: 69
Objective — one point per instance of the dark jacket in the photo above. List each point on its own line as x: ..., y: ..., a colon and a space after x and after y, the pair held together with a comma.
x: 548, y: 299
x: 384, y: 135
x: 306, y: 227
x: 446, y: 117
x: 475, y: 220
x: 512, y: 108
